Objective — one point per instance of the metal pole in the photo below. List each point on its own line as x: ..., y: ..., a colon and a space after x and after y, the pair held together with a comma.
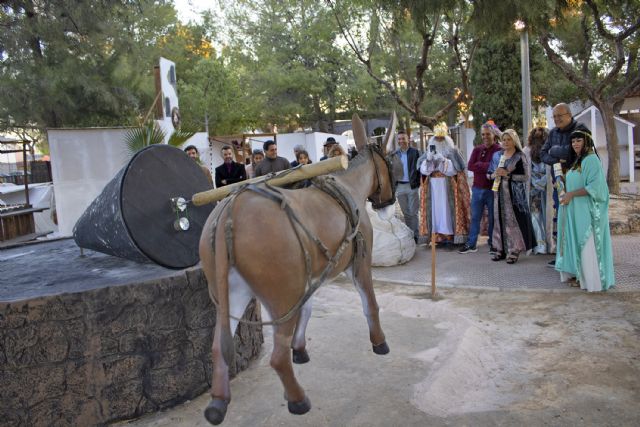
x: 526, y: 83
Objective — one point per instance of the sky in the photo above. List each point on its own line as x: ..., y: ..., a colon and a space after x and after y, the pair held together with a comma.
x: 189, y: 10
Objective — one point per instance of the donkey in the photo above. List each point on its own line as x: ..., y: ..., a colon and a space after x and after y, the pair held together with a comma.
x: 287, y: 244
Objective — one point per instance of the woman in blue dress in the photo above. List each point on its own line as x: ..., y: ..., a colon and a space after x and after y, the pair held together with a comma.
x: 584, y: 254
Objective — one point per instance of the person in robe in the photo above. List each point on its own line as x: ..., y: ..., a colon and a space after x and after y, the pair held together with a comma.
x: 512, y: 228
x: 538, y: 194
x: 444, y: 192
x: 584, y: 257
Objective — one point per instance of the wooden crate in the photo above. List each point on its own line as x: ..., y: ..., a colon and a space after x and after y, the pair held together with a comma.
x: 15, y: 224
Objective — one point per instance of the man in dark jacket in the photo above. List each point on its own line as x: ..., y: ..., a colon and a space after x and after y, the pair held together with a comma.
x: 229, y: 172
x: 272, y: 162
x: 407, y: 187
x: 557, y: 149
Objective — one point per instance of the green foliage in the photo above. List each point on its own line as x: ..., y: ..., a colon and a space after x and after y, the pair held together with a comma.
x: 68, y: 63
x: 138, y: 138
x: 495, y: 82
x: 150, y: 133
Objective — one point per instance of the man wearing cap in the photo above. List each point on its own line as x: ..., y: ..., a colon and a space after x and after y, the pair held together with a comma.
x: 407, y: 186
x: 328, y: 144
x: 229, y: 172
x: 444, y: 192
x: 272, y: 162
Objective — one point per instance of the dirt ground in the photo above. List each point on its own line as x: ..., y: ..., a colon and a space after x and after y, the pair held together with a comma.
x: 469, y: 358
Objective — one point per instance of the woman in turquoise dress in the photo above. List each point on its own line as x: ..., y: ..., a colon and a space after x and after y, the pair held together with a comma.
x: 584, y: 241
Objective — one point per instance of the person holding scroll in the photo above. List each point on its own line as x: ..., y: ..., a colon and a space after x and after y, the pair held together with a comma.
x: 512, y: 229
x: 557, y: 149
x: 584, y: 256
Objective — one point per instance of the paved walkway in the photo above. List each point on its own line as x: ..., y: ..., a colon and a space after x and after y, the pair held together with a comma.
x: 530, y: 273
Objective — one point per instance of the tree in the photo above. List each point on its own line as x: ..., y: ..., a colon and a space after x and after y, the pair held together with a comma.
x: 597, y: 50
x: 410, y: 49
x: 69, y: 63
x: 591, y: 43
x: 288, y: 55
x: 213, y: 90
x: 495, y: 82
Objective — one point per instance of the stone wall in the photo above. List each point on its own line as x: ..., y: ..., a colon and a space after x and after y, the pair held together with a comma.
x: 111, y: 353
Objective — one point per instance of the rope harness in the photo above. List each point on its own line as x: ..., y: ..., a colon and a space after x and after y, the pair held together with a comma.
x: 330, y: 186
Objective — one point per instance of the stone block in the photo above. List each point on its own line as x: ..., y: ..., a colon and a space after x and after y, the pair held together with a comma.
x: 619, y: 227
x: 112, y: 353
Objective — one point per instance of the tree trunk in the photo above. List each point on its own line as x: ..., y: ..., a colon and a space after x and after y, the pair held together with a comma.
x: 613, y: 170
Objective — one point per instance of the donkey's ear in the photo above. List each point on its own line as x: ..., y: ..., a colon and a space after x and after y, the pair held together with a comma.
x: 389, y: 142
x: 359, y: 132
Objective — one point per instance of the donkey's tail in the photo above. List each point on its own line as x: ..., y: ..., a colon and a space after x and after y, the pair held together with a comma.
x: 221, y: 251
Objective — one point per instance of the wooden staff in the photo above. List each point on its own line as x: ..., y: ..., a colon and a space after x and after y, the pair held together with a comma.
x: 433, y: 265
x: 280, y: 179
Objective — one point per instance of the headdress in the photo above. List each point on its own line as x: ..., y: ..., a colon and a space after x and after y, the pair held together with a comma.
x: 588, y: 148
x: 441, y: 130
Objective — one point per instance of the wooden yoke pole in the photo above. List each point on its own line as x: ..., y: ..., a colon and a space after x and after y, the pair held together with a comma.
x: 433, y: 265
x: 280, y: 179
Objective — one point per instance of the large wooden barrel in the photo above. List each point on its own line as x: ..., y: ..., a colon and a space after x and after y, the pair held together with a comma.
x: 134, y: 217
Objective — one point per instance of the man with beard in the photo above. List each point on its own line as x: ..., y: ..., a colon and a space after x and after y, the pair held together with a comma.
x: 444, y: 192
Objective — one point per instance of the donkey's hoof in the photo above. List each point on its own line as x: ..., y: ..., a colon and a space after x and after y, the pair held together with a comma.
x: 381, y: 348
x: 300, y: 356
x: 215, y: 411
x: 299, y: 408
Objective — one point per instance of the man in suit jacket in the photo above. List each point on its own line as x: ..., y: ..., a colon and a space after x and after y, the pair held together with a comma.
x: 407, y: 190
x: 229, y: 172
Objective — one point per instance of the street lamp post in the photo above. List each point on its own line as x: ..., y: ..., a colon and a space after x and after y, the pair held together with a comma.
x: 521, y: 27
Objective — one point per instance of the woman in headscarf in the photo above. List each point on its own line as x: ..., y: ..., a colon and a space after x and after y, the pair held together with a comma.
x: 584, y: 257
x: 538, y: 194
x: 512, y: 229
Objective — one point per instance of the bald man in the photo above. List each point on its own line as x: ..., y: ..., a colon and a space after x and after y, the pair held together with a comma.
x: 557, y: 149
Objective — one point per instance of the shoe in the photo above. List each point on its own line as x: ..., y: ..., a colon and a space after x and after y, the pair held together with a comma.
x: 512, y: 258
x: 552, y: 263
x: 492, y: 250
x: 498, y: 257
x: 468, y: 249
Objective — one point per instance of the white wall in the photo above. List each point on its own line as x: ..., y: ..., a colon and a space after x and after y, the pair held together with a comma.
x: 83, y: 161
x: 313, y: 143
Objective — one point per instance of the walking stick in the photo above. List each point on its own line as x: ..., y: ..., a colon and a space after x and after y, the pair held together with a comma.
x: 433, y: 265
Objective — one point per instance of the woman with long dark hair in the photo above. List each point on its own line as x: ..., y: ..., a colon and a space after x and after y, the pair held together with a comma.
x: 512, y: 229
x: 584, y: 257
x: 538, y: 193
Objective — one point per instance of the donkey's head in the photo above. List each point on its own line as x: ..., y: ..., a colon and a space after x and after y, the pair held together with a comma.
x: 384, y: 160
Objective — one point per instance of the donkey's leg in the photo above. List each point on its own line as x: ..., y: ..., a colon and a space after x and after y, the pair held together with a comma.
x: 298, y: 403
x: 239, y: 297
x: 299, y: 343
x: 220, y: 392
x: 364, y: 284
